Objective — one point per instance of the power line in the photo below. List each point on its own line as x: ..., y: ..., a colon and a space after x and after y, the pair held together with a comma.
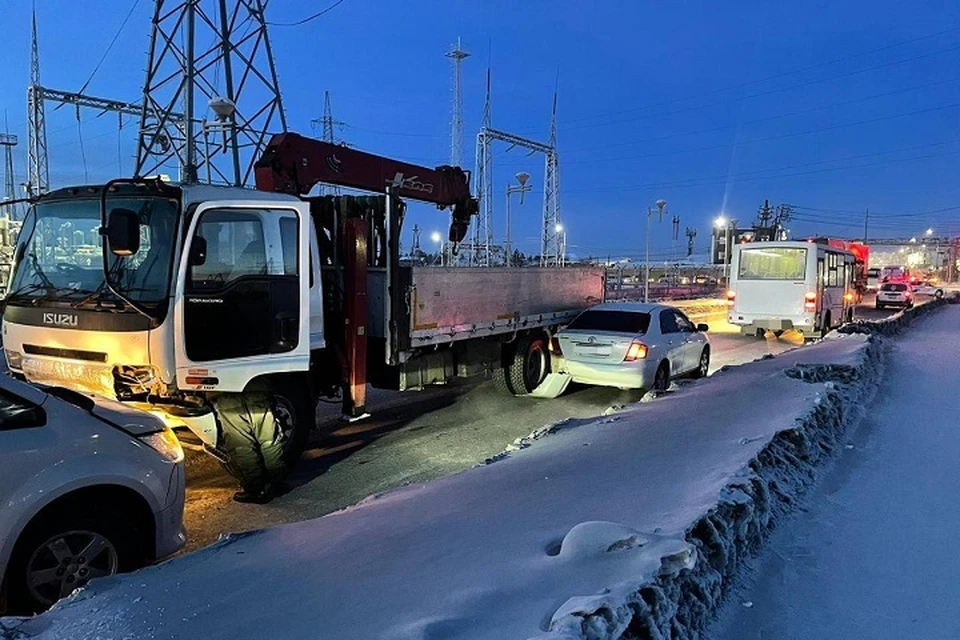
x: 768, y: 118
x: 308, y: 18
x: 774, y: 137
x: 788, y: 73
x: 110, y: 46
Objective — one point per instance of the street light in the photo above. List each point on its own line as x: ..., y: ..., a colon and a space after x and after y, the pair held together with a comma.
x: 720, y: 222
x: 929, y: 232
x: 562, y: 258
x: 438, y: 239
x: 661, y: 205
x: 522, y: 178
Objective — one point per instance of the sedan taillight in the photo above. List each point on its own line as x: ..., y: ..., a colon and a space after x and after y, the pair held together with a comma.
x: 636, y: 351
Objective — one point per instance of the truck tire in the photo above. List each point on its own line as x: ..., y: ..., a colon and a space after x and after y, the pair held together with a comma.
x: 526, y: 366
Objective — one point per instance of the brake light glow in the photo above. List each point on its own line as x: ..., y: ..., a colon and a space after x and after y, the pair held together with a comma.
x: 810, y: 301
x: 637, y: 351
x: 848, y: 297
x: 731, y: 297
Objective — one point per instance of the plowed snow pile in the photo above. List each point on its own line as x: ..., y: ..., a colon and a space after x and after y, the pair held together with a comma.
x: 630, y: 524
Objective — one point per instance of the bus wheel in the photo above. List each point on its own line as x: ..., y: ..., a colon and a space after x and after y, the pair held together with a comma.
x: 761, y: 332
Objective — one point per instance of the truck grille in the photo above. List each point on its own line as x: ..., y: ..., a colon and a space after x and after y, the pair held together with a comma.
x: 72, y: 354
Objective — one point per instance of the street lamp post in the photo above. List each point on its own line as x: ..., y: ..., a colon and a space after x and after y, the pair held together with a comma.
x: 522, y: 188
x: 661, y: 204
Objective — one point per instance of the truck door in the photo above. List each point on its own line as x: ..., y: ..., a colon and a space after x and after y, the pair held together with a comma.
x: 242, y: 306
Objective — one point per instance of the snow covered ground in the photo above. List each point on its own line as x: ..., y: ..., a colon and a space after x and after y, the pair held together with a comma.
x: 587, y: 532
x: 874, y: 555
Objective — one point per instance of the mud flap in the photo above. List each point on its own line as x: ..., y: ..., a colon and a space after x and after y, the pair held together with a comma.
x: 552, y: 386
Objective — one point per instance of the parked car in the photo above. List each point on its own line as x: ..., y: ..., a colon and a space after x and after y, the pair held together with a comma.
x: 894, y: 294
x: 632, y: 346
x: 90, y: 488
x: 928, y: 289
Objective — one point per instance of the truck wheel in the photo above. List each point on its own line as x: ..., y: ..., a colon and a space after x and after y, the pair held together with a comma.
x: 256, y: 452
x: 65, y: 550
x: 296, y: 414
x: 527, y: 366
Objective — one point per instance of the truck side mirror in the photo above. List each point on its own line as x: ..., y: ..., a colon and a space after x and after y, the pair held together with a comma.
x: 123, y: 232
x: 198, y: 251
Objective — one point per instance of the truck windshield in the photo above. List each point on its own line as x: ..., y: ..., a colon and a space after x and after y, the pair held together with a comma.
x: 59, y: 259
x: 773, y: 263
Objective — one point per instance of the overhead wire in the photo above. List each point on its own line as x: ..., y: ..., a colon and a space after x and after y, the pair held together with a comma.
x: 103, y: 57
x: 297, y: 23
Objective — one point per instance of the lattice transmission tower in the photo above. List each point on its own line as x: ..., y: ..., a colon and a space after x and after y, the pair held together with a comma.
x: 38, y: 171
x: 457, y: 55
x: 8, y: 211
x: 211, y: 61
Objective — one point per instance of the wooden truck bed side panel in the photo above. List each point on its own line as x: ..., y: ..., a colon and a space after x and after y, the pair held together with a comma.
x: 448, y: 304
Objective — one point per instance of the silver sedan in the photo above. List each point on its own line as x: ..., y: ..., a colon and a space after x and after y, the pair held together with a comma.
x: 632, y: 346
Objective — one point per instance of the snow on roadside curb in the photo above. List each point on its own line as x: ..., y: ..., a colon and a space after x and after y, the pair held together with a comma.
x: 681, y: 604
x: 626, y: 526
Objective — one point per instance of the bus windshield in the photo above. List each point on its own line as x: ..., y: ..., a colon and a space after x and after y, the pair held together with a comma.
x: 59, y: 259
x: 772, y: 263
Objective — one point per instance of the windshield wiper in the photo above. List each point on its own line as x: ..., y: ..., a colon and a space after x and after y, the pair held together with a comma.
x: 49, y: 291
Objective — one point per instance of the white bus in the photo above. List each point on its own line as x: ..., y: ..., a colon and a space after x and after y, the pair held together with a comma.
x: 778, y: 286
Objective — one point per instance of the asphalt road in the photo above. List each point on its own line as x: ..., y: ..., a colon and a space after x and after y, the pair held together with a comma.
x: 415, y: 436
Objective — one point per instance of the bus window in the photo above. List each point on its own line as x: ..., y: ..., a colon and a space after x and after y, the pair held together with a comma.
x: 773, y: 263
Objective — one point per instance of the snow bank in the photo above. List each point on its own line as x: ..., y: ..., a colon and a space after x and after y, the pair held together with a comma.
x: 631, y: 525
x: 892, y: 325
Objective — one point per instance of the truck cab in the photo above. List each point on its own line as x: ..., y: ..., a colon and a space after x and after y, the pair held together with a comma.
x: 201, y: 290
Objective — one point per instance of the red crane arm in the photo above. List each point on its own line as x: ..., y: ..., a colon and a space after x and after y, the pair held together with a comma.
x: 295, y: 164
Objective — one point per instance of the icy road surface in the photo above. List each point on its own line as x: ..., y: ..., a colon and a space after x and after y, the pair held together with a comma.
x: 875, y: 554
x: 513, y: 549
x: 418, y: 436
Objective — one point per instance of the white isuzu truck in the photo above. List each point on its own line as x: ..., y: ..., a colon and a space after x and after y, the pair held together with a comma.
x: 173, y: 298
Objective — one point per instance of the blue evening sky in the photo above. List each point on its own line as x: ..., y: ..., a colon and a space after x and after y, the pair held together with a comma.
x: 713, y: 106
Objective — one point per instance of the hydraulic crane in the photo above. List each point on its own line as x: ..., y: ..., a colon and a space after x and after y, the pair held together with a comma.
x: 295, y: 164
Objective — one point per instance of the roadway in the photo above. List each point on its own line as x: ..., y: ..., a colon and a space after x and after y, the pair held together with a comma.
x: 416, y: 436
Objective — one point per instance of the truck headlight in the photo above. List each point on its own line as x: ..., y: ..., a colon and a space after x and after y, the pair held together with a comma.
x: 165, y: 443
x: 14, y: 359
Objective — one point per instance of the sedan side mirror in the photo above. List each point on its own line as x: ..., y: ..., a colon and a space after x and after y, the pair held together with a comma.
x: 123, y: 232
x: 702, y: 327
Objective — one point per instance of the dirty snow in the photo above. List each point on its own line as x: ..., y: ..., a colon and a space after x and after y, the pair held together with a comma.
x: 561, y: 538
x: 874, y: 555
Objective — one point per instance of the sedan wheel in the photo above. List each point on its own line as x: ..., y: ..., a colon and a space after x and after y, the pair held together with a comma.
x: 704, y: 366
x: 661, y: 381
x: 68, y: 561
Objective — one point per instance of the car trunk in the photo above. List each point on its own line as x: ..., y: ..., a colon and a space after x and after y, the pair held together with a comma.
x: 595, y: 346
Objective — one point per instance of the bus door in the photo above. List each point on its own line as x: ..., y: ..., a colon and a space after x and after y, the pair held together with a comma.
x: 821, y: 281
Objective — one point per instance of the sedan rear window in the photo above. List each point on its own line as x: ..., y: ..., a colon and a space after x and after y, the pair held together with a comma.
x: 893, y: 287
x: 616, y: 321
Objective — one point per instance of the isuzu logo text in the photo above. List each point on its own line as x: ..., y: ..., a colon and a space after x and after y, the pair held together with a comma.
x: 60, y: 319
